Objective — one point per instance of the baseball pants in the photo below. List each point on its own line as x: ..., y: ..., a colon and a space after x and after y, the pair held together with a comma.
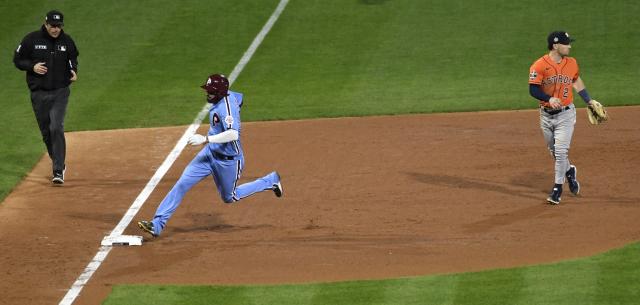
x: 226, y: 174
x: 50, y: 108
x: 558, y: 131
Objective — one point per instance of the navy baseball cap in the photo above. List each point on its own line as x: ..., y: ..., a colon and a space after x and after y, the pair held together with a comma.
x: 54, y: 18
x: 560, y: 37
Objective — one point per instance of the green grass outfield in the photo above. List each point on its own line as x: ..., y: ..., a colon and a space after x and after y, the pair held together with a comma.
x: 610, y: 278
x: 141, y: 63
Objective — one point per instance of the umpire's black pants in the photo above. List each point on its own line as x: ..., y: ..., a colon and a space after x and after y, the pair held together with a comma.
x: 50, y: 108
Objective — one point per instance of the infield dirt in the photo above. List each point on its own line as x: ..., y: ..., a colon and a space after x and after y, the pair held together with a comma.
x: 365, y: 198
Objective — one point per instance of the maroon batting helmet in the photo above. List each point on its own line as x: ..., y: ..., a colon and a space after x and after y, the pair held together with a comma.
x: 217, y: 85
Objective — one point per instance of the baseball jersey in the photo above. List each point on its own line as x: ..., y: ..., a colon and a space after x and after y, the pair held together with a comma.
x: 556, y: 80
x: 225, y: 115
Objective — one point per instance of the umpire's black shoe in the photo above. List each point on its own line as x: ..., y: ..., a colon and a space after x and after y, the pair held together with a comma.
x: 556, y: 192
x: 572, y: 180
x: 58, y: 176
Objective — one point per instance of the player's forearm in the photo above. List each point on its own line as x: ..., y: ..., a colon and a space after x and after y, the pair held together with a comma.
x: 537, y: 93
x: 223, y: 137
x: 579, y: 86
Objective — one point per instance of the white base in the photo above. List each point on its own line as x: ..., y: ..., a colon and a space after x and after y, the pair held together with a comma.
x: 122, y: 240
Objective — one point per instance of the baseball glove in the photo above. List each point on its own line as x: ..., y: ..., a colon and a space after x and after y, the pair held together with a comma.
x: 596, y: 113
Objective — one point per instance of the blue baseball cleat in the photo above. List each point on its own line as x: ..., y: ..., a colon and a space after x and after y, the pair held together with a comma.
x: 554, y: 197
x: 572, y: 180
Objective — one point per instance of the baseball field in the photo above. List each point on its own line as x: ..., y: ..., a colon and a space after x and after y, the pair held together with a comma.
x: 414, y: 168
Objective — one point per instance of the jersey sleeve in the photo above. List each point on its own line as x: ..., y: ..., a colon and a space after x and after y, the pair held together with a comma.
x: 22, y: 55
x: 238, y: 97
x: 73, y: 56
x: 232, y: 117
x: 535, y: 73
x: 577, y: 70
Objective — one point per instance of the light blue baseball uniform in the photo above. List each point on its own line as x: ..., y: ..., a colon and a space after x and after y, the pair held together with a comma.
x: 224, y: 161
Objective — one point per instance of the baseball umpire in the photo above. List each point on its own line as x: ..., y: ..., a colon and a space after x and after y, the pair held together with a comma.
x: 50, y: 58
x: 552, y: 79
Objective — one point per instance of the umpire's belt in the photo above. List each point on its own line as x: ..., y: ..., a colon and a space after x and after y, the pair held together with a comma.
x: 219, y: 156
x: 552, y: 111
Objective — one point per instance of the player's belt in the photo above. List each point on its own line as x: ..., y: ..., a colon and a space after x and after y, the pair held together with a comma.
x: 552, y: 111
x: 223, y: 157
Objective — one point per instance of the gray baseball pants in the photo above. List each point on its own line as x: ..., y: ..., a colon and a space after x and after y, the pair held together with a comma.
x: 558, y: 131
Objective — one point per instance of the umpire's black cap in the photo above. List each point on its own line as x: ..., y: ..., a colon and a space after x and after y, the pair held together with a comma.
x: 560, y: 37
x: 54, y: 17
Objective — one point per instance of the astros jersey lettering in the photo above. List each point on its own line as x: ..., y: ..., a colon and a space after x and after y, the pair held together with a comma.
x: 555, y: 79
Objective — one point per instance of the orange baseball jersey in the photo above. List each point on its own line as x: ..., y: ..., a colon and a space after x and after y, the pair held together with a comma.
x: 555, y: 79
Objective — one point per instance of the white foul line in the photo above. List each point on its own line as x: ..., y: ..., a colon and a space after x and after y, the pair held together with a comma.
x: 102, y: 254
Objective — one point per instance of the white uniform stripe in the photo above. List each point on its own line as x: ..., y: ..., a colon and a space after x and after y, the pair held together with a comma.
x: 229, y: 126
x: 235, y: 184
x: 235, y: 145
x: 226, y: 101
x: 102, y: 254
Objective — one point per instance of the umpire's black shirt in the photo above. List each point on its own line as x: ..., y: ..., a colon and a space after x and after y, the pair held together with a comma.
x: 60, y: 55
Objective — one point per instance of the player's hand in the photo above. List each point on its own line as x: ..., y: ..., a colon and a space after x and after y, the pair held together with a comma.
x: 555, y: 103
x: 40, y: 68
x: 197, y: 139
x: 74, y: 76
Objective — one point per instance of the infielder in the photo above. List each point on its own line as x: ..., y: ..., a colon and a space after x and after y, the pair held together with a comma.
x: 552, y: 79
x: 222, y: 157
